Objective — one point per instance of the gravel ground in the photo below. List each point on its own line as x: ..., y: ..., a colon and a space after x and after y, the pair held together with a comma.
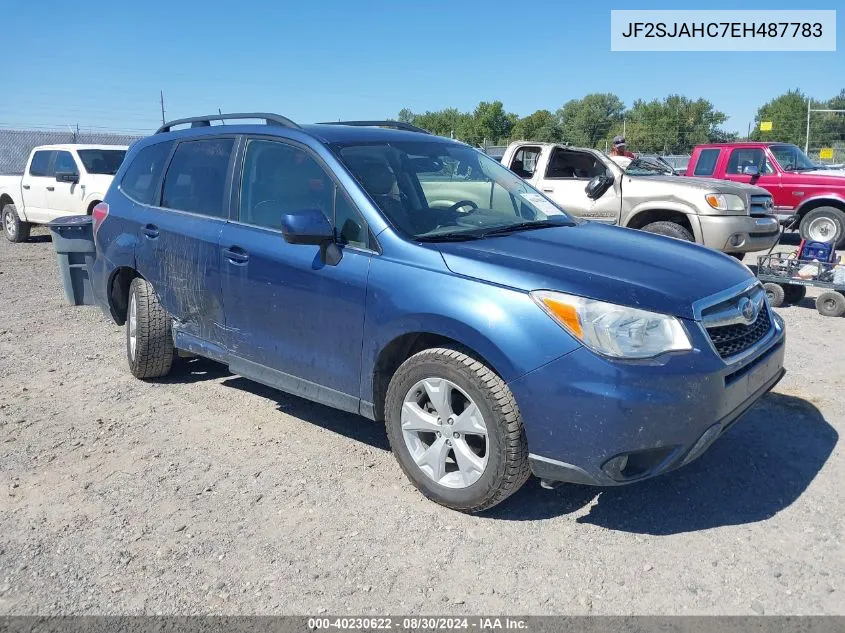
x: 205, y: 493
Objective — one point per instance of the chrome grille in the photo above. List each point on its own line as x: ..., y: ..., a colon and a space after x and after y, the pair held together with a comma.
x: 761, y: 205
x: 730, y: 340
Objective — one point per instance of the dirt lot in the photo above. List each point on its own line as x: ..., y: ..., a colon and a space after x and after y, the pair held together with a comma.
x: 205, y: 493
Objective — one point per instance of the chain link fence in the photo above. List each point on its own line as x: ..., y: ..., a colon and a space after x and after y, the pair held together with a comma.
x: 15, y: 145
x: 822, y: 155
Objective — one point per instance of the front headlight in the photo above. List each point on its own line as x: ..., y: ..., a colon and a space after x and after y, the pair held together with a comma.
x: 725, y: 201
x: 614, y: 330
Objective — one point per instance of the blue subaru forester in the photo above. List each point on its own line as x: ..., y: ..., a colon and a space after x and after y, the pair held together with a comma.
x: 411, y: 279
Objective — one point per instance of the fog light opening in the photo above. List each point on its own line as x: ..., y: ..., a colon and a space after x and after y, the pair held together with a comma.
x: 736, y: 240
x: 637, y: 464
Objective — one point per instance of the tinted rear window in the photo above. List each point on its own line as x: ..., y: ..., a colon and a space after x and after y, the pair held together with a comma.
x: 196, y: 178
x: 40, y: 163
x: 102, y: 161
x: 140, y: 182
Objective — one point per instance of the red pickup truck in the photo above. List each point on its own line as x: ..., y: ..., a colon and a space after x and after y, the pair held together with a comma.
x: 798, y: 186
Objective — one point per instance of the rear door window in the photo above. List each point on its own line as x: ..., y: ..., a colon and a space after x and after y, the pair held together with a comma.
x: 196, y: 178
x: 524, y: 161
x: 40, y: 164
x: 706, y: 162
x: 140, y: 182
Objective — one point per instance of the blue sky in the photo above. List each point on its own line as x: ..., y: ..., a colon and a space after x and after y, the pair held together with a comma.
x: 102, y: 63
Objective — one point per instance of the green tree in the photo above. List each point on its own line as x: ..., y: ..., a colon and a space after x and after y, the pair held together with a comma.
x: 587, y: 121
x: 542, y: 126
x: 673, y: 125
x: 490, y: 123
x: 406, y: 116
x: 788, y: 114
x: 441, y: 122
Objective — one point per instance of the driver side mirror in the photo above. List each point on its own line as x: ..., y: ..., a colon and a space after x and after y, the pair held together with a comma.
x: 67, y: 176
x: 598, y: 185
x: 310, y: 226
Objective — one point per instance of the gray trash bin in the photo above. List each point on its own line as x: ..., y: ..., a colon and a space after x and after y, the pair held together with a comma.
x: 73, y: 239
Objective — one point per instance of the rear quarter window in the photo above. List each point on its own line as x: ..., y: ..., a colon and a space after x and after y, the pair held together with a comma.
x: 706, y: 163
x: 140, y: 182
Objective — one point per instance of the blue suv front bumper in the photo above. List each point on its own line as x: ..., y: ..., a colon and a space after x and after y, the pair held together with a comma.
x: 591, y: 420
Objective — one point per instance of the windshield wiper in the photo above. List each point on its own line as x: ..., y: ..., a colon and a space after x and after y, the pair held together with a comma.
x: 525, y: 226
x: 448, y: 237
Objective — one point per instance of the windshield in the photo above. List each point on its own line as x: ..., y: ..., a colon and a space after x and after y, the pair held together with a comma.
x: 647, y: 166
x: 436, y: 190
x: 791, y: 158
x: 102, y: 161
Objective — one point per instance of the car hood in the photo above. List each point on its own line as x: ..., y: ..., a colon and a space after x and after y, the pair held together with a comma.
x: 709, y: 184
x: 601, y: 262
x: 835, y: 173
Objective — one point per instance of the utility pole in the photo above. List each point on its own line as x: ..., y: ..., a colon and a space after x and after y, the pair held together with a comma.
x: 748, y: 136
x: 624, y: 126
x: 161, y: 95
x: 807, y: 140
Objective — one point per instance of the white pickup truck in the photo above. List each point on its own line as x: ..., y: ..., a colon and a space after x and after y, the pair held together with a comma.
x: 58, y: 180
x: 732, y: 217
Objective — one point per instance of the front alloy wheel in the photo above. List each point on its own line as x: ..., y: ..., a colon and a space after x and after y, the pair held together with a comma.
x: 445, y: 433
x: 455, y: 429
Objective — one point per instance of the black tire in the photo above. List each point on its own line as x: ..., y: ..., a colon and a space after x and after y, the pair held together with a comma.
x: 669, y: 229
x: 775, y: 293
x: 793, y: 293
x: 153, y: 354
x: 830, y: 304
x: 507, y: 462
x: 15, y: 229
x: 832, y: 213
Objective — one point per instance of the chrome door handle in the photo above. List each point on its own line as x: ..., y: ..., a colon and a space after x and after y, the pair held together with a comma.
x: 51, y: 188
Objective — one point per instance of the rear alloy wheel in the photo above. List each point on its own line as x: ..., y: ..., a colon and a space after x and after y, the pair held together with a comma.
x: 824, y: 224
x: 775, y: 293
x: 830, y: 304
x: 149, y: 342
x: 455, y: 430
x: 669, y: 229
x: 16, y: 230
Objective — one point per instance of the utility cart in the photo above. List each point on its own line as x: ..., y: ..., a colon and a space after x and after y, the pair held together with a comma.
x: 786, y: 276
